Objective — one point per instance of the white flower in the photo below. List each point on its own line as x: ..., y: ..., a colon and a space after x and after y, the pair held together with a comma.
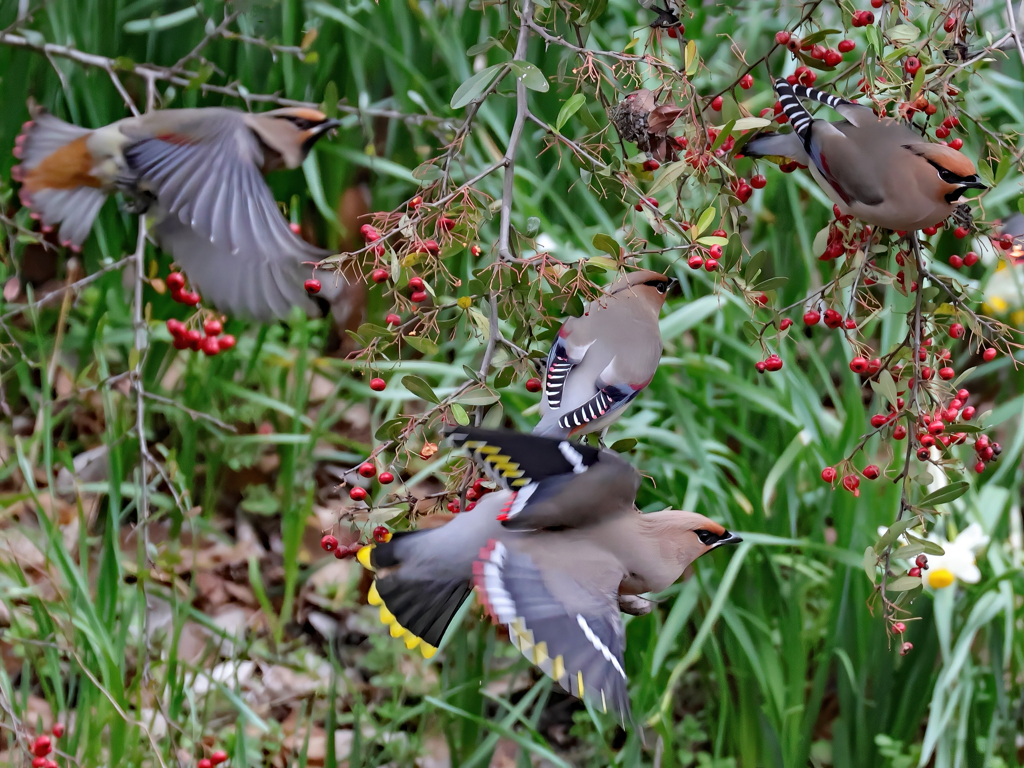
x: 959, y: 560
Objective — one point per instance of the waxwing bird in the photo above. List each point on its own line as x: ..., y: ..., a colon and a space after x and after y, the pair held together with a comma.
x: 199, y: 174
x: 874, y: 169
x: 554, y: 560
x: 602, y: 359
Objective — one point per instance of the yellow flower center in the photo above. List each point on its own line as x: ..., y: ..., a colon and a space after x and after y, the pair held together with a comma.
x: 940, y: 578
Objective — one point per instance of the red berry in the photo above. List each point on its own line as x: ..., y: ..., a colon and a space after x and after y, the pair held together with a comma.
x: 949, y: 23
x: 868, y: 18
x: 956, y: 143
x: 817, y: 52
x: 189, y: 298
x: 828, y: 474
x: 871, y: 472
x: 956, y: 330
x: 906, y: 648
x: 695, y: 262
x: 936, y: 426
x: 211, y: 346
x: 878, y: 420
x: 989, y: 355
x: 175, y: 281
x: 950, y: 414
x: 369, y: 233
x: 899, y: 432
x: 472, y: 494
x: 328, y: 543
x: 914, y: 572
x: 672, y: 32
x: 711, y: 265
x: 956, y: 262
x: 758, y: 181
x: 225, y: 342
x: 175, y: 327
x: 782, y: 37
x: 39, y: 762
x: 418, y: 297
x: 845, y: 46
x: 930, y: 230
x: 899, y: 627
x: 960, y: 233
x: 416, y: 284
x: 760, y: 366
x: 979, y: 467
x: 715, y: 251
x: 946, y: 373
x: 859, y: 365
x: 922, y: 562
x: 651, y: 165
x: 923, y: 454
x: 58, y: 730
x: 833, y: 319
x: 716, y: 103
x: 381, y: 534
x: 877, y: 3
x: 962, y: 395
x: 832, y: 57
x: 747, y: 82
x: 220, y: 756
x: 416, y: 202
x: 379, y: 275
x: 786, y: 323
x: 719, y: 233
x: 533, y: 385
x: 367, y: 469
x: 942, y: 132
x: 773, y: 363
x: 204, y: 763
x: 970, y: 259
x: 476, y: 250
x: 386, y: 478
x: 453, y: 506
x: 377, y: 385
x: 356, y: 493
x: 41, y: 746
x: 312, y: 285
x: 393, y: 319
x: 852, y: 484
x: 811, y: 317
x: 446, y: 224
x: 743, y: 192
x: 213, y: 327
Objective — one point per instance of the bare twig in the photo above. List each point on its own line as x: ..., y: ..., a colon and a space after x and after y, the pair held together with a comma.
x: 75, y: 286
x: 1011, y: 19
x: 522, y: 109
x: 194, y: 414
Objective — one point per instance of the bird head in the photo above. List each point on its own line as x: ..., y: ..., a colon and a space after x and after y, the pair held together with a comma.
x: 651, y: 287
x: 688, y: 534
x: 956, y: 173
x: 291, y: 132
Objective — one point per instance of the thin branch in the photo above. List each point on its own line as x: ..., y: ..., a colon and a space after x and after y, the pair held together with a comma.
x: 199, y: 415
x: 508, y: 186
x: 141, y: 346
x: 1012, y: 20
x: 75, y: 286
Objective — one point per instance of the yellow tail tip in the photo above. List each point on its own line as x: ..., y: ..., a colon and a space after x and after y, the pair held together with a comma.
x: 373, y: 596
x: 364, y: 557
x: 427, y: 650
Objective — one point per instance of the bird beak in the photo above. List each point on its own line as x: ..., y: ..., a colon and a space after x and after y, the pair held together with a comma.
x: 325, y: 126
x: 973, y: 185
x: 674, y: 287
x: 728, y: 538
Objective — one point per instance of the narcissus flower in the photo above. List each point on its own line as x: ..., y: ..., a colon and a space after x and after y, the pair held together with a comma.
x: 959, y: 561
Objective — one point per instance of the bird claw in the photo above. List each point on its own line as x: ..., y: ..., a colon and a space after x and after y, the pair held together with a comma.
x: 962, y: 215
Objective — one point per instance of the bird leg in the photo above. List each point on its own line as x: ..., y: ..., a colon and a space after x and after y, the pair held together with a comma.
x: 137, y: 201
x: 962, y: 215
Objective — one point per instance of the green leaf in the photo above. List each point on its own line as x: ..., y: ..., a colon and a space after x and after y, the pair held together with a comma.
x: 420, y: 388
x: 624, y: 446
x: 894, y: 532
x: 733, y: 252
x: 476, y: 85
x: 723, y: 135
x: 390, y: 429
x: 754, y: 265
x: 330, y: 103
x: 420, y: 344
x: 705, y: 220
x: 478, y: 397
x: 886, y: 387
x: 691, y: 61
x: 904, y: 584
x: 426, y: 173
x: 669, y: 173
x: 875, y: 38
x: 460, y: 414
x: 161, y: 23
x: 605, y: 243
x: 915, y: 89
x: 945, y: 494
x: 532, y: 226
x: 200, y: 78
x: 530, y: 75
x: 772, y: 283
x: 570, y: 108
x: 903, y: 34
x: 870, y: 563
x: 486, y: 45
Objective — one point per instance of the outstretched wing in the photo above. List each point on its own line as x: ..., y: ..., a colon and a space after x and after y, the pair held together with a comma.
x: 514, y: 459
x: 571, y: 630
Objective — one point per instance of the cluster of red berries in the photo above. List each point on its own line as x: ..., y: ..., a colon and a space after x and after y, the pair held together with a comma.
x: 844, y: 236
x: 653, y: 202
x: 771, y: 364
x: 969, y: 259
x: 832, y: 319
x: 986, y: 451
x: 920, y: 564
x: 418, y: 290
x: 176, y: 285
x: 368, y: 470
x: 190, y: 338
x: 43, y: 746
x: 371, y: 235
x: 948, y: 125
x: 473, y: 495
x: 218, y: 757
x: 864, y: 18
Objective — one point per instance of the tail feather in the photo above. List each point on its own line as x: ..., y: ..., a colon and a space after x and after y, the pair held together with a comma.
x: 806, y: 92
x: 55, y: 175
x: 417, y: 610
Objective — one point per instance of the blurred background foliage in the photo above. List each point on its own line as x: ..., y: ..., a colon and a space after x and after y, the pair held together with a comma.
x: 771, y: 654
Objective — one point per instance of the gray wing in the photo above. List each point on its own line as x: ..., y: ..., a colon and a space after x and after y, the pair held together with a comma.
x: 221, y: 221
x: 568, y: 625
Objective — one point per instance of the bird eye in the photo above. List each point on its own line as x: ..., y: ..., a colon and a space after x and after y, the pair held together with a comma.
x: 707, y: 538
x: 662, y: 286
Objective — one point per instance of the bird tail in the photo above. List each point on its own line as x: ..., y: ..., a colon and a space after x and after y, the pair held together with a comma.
x: 55, y: 176
x: 789, y: 98
x: 803, y: 92
x: 417, y: 610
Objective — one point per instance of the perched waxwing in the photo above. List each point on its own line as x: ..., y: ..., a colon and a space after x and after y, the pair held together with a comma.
x: 874, y: 169
x: 554, y: 556
x: 602, y: 359
x: 199, y: 174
